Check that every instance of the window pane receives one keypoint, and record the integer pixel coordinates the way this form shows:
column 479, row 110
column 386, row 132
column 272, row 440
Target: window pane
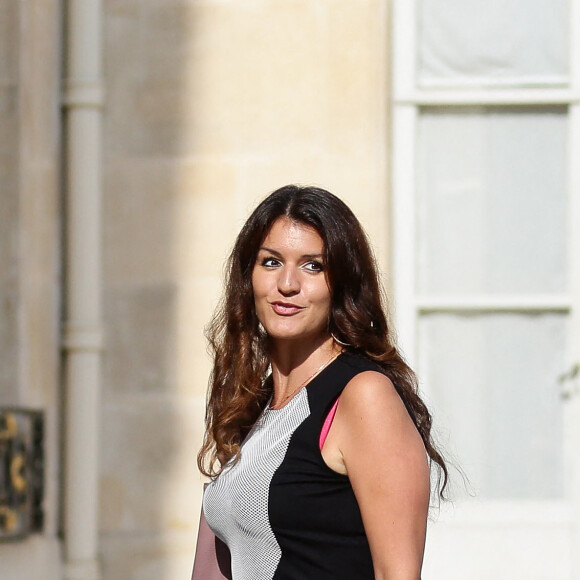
column 492, row 380
column 492, row 201
column 507, row 42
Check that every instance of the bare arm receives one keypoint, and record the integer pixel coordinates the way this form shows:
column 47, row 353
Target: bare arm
column 382, row 453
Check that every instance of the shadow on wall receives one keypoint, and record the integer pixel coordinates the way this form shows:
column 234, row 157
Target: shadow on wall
column 153, row 388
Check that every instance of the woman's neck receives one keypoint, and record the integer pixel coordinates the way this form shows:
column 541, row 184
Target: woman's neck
column 294, row 362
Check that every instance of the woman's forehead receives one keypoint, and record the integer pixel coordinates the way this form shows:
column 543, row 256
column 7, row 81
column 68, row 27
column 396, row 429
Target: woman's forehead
column 293, row 235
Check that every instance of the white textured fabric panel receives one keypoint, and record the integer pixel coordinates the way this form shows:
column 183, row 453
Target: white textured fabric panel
column 492, row 201
column 493, row 42
column 236, row 503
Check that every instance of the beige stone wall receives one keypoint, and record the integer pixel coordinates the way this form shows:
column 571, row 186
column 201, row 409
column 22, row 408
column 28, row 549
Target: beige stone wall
column 210, row 105
column 30, row 247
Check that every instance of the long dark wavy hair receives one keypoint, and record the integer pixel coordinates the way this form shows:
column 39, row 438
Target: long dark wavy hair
column 238, row 389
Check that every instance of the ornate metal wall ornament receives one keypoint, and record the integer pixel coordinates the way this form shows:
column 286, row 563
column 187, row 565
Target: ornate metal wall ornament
column 21, row 472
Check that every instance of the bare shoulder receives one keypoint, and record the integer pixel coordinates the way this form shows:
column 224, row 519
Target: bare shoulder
column 369, row 382
column 373, row 418
column 371, row 394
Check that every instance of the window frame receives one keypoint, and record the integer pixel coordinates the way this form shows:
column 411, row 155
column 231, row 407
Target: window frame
column 408, row 97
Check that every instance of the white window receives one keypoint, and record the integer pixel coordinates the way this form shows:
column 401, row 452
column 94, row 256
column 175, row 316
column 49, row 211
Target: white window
column 486, row 215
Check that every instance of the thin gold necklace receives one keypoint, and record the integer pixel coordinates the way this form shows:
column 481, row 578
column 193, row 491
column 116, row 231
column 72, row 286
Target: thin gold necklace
column 302, row 384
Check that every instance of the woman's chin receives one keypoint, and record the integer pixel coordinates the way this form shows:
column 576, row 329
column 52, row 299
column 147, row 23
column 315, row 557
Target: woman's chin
column 293, row 335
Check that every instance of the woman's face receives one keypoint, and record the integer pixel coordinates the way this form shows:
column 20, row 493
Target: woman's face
column 291, row 294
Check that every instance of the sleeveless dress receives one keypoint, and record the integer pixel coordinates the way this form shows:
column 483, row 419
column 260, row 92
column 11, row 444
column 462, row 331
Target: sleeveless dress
column 283, row 513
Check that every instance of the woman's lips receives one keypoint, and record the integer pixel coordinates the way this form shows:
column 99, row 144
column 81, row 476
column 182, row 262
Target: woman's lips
column 285, row 308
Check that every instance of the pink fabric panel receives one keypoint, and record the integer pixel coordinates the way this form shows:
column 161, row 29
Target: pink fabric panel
column 327, row 424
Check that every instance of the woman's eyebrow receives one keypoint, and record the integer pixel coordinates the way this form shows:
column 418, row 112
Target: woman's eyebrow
column 270, row 250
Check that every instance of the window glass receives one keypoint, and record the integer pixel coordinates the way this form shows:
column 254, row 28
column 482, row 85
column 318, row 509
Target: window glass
column 493, row 42
column 492, row 200
column 492, row 380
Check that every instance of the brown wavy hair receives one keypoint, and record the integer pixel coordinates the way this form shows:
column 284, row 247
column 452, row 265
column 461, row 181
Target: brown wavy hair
column 238, row 386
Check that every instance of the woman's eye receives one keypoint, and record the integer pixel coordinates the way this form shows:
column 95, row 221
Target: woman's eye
column 314, row 266
column 270, row 262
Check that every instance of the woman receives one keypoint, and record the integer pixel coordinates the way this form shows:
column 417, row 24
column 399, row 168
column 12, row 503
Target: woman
column 320, row 468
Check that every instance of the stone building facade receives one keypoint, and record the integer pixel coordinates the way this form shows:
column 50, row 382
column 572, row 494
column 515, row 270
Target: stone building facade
column 208, row 106
column 187, row 114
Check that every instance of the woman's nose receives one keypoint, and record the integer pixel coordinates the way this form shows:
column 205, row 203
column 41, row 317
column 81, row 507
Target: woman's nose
column 288, row 281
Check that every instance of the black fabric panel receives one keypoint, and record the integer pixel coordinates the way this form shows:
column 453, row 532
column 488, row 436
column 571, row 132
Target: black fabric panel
column 312, row 509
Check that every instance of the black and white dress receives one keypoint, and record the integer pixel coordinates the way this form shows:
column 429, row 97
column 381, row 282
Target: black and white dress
column 284, row 514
